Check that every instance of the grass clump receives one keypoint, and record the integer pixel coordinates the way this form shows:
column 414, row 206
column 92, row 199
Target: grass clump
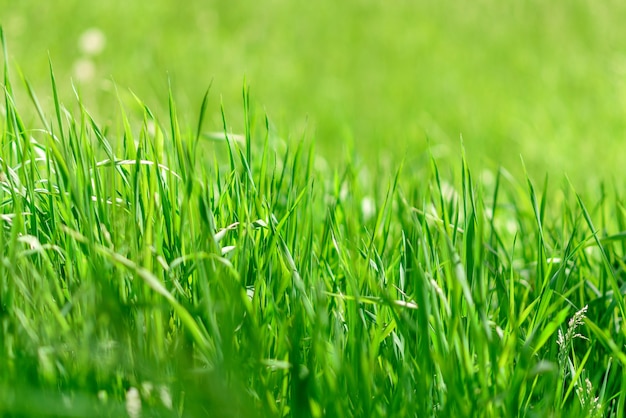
column 150, row 272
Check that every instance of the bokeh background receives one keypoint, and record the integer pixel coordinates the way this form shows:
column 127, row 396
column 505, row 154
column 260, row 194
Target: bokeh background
column 541, row 80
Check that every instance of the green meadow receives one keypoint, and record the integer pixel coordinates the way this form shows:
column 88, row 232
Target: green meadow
column 296, row 209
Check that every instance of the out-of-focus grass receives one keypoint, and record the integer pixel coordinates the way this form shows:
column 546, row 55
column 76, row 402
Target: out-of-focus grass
column 540, row 79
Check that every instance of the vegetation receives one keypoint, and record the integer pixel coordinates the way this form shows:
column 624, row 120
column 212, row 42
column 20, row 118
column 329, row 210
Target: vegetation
column 540, row 79
column 160, row 260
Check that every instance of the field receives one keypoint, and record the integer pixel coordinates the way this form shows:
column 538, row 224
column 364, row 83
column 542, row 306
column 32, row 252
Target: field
column 286, row 209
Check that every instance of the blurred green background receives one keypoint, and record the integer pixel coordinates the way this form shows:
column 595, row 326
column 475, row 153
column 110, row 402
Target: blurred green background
column 545, row 80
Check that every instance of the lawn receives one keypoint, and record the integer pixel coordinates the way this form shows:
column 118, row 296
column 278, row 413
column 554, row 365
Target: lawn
column 286, row 209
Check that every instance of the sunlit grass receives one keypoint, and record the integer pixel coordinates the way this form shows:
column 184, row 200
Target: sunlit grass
column 153, row 268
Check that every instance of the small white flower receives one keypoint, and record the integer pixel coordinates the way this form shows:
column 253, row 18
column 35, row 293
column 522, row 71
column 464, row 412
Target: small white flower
column 92, row 42
column 133, row 403
column 368, row 208
column 344, row 192
column 84, row 69
column 166, row 397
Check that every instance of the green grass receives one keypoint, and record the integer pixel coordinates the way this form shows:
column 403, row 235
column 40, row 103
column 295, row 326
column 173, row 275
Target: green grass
column 148, row 260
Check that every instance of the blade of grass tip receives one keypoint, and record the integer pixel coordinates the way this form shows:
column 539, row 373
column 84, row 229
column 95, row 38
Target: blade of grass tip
column 512, row 281
column 605, row 381
column 52, row 145
column 55, row 95
column 533, row 200
column 494, row 238
column 541, row 256
column 106, row 146
column 264, row 160
column 247, row 121
column 19, row 130
column 435, row 168
column 250, row 180
column 181, row 153
column 130, row 150
column 619, row 211
column 8, row 90
column 25, row 154
column 389, row 208
column 5, row 55
column 278, row 182
column 310, row 164
column 383, row 220
column 542, row 206
column 469, row 214
column 230, row 146
column 293, row 207
column 466, row 183
column 203, row 107
column 297, row 158
column 33, row 98
column 601, row 204
column 607, row 264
